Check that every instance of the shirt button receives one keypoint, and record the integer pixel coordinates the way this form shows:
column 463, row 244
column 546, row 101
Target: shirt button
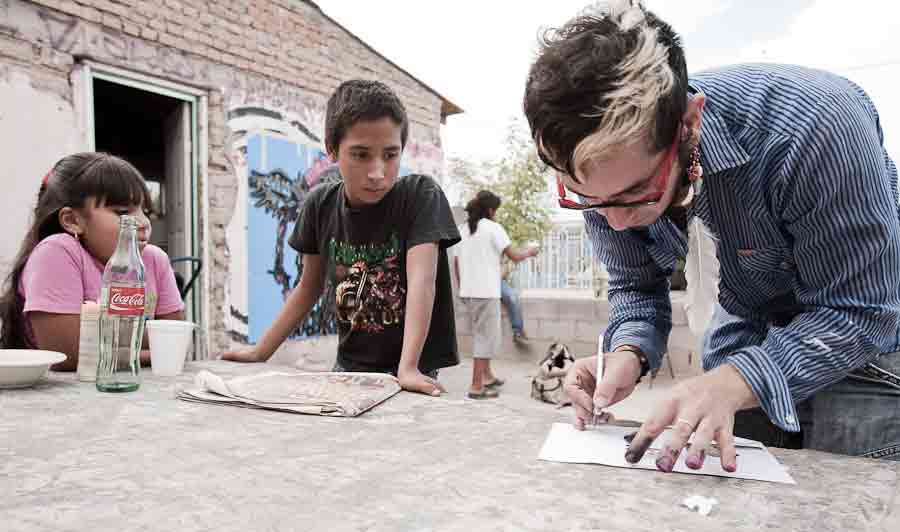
column 790, row 419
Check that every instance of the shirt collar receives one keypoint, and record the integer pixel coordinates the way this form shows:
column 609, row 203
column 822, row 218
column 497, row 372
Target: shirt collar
column 719, row 150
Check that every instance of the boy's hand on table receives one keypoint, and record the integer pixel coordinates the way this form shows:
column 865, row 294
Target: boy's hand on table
column 248, row 354
column 416, row 381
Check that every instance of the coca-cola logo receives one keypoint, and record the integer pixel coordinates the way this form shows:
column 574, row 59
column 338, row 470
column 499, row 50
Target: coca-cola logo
column 126, row 300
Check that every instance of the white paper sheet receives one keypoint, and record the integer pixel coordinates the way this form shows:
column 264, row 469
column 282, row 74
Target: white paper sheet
column 607, row 445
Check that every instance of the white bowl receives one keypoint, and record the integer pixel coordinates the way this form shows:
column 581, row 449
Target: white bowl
column 20, row 368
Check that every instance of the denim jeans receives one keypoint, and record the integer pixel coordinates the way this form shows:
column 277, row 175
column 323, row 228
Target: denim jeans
column 858, row 416
column 510, row 300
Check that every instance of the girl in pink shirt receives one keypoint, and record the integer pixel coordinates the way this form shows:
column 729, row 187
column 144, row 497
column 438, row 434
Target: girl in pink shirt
column 61, row 261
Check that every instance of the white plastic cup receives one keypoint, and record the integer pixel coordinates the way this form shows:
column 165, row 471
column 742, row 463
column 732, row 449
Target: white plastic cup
column 169, row 344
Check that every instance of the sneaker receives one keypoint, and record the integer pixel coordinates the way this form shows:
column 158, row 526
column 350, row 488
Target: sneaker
column 485, row 393
column 496, row 383
column 520, row 338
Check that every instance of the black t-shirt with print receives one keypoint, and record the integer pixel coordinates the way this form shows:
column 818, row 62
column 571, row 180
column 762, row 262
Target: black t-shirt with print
column 364, row 251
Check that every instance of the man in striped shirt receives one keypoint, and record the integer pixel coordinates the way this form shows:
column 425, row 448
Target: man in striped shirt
column 786, row 167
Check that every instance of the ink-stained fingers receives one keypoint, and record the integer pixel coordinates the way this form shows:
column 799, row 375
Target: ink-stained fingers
column 645, row 436
column 725, row 438
column 682, row 429
column 662, row 415
column 703, row 436
column 581, row 401
column 579, row 385
column 579, row 423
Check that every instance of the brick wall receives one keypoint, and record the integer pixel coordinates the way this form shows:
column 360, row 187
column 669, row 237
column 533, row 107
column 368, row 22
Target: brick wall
column 283, row 55
column 285, row 40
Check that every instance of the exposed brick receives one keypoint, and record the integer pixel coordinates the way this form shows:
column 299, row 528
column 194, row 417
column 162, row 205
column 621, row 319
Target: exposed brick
column 111, row 21
column 131, row 29
column 91, row 14
column 64, row 6
column 149, row 34
column 278, row 52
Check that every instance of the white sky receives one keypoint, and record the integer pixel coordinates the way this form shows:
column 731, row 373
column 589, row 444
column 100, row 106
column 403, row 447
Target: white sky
column 477, row 53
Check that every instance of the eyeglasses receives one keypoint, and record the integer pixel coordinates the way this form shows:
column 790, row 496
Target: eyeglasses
column 660, row 180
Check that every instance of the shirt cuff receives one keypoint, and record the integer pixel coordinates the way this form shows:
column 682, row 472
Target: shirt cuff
column 768, row 384
column 640, row 335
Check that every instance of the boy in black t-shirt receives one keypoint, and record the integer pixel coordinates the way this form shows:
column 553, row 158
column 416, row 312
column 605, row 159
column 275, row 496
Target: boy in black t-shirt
column 378, row 245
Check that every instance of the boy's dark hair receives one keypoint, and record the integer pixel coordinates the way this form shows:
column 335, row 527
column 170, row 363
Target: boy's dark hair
column 74, row 179
column 357, row 100
column 581, row 70
column 479, row 207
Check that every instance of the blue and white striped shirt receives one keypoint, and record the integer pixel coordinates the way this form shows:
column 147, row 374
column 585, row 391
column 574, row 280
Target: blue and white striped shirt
column 802, row 198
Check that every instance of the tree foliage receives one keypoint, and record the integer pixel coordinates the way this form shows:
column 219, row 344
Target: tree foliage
column 519, row 178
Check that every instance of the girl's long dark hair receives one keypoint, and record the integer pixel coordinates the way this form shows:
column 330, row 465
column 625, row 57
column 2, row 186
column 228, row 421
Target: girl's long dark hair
column 74, row 179
column 480, row 207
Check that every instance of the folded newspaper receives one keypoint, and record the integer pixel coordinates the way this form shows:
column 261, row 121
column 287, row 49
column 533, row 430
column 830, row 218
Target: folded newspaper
column 323, row 394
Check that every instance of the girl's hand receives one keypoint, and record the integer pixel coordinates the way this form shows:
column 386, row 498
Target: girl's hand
column 704, row 407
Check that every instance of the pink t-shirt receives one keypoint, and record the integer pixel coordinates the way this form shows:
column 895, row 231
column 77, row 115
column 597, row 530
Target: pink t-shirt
column 60, row 274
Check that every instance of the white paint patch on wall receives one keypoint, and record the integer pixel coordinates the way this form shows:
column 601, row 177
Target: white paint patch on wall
column 37, row 128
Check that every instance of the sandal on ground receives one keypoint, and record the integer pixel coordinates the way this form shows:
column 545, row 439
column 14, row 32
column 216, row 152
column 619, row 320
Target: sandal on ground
column 496, row 383
column 485, row 393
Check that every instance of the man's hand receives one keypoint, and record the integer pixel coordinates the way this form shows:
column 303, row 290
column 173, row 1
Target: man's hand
column 620, row 375
column 704, row 407
column 248, row 354
column 414, row 381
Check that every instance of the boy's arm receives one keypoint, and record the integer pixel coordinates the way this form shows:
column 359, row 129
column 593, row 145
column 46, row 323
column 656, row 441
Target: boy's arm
column 302, row 298
column 421, row 274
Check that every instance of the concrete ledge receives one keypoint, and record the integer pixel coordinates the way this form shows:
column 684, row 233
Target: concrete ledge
column 576, row 318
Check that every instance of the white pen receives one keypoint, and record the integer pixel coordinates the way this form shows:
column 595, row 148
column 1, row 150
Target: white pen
column 598, row 411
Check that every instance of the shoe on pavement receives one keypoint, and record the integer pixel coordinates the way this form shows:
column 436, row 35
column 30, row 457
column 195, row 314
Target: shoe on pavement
column 485, row 393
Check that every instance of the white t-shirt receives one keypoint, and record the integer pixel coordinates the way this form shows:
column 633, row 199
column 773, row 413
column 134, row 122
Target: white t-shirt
column 479, row 259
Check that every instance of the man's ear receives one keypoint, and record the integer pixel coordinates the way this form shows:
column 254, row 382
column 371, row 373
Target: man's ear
column 693, row 115
column 71, row 221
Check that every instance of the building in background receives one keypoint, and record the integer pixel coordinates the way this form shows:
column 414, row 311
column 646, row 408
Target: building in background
column 219, row 104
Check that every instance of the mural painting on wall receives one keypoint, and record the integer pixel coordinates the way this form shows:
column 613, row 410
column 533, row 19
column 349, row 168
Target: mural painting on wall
column 278, row 162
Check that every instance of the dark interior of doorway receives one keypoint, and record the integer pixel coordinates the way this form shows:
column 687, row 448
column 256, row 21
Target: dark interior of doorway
column 131, row 123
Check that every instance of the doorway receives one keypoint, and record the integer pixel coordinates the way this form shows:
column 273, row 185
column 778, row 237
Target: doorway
column 154, row 128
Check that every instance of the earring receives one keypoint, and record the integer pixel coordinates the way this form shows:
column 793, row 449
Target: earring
column 695, row 169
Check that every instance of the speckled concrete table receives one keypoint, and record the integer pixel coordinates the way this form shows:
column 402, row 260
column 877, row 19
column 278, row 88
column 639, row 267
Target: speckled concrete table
column 74, row 459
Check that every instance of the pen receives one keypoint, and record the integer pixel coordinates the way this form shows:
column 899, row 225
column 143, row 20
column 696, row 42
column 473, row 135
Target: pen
column 598, row 411
column 597, row 419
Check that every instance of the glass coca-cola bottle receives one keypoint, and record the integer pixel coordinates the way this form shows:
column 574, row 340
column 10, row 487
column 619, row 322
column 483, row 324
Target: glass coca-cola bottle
column 122, row 314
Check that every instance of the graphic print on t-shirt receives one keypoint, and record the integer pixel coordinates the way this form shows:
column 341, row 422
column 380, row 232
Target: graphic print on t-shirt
column 369, row 294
